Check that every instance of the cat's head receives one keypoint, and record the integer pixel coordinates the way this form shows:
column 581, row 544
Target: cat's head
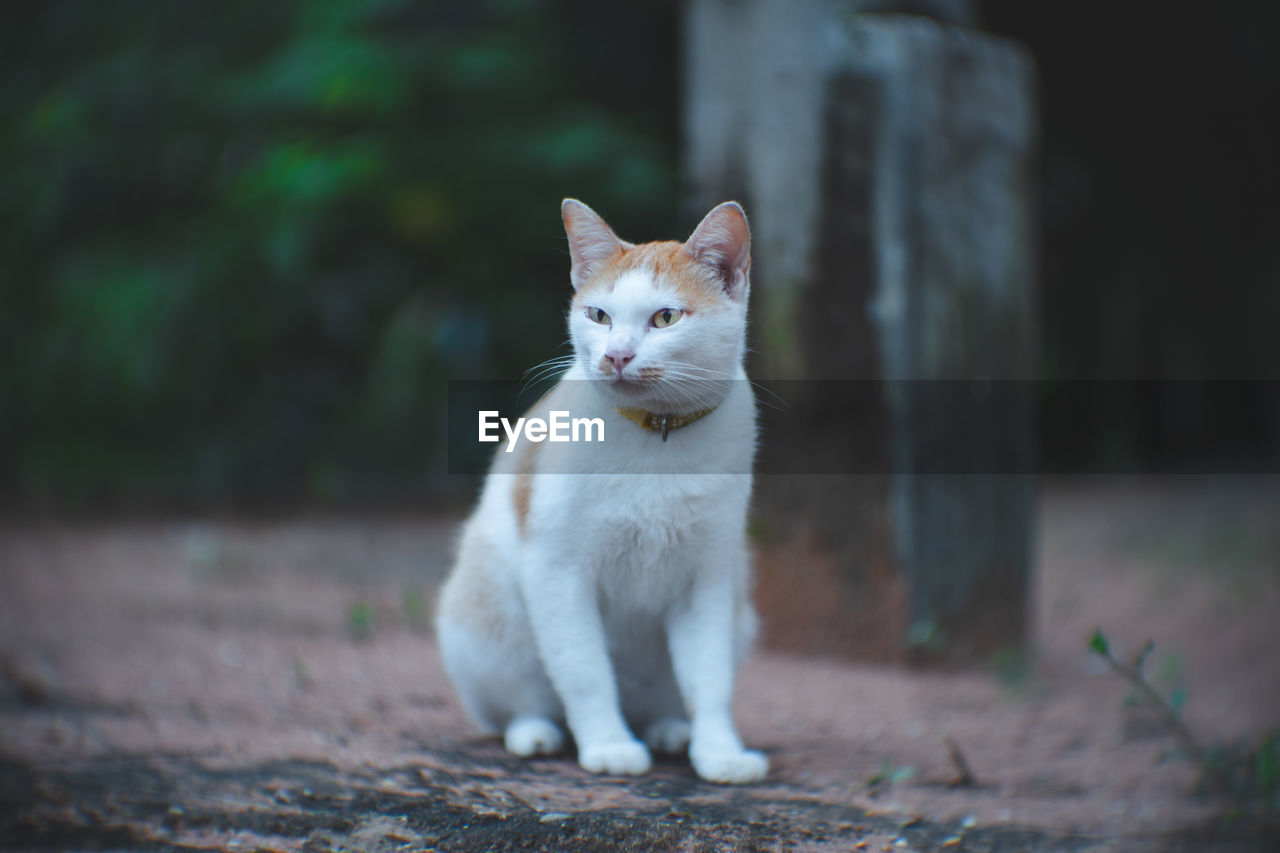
column 662, row 325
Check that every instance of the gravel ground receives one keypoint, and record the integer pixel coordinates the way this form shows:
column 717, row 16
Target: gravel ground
column 189, row 684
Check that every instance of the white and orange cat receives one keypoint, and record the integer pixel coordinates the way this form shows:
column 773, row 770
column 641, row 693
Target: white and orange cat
column 609, row 589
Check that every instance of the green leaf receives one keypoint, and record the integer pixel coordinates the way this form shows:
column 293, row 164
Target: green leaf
column 1098, row 643
column 415, row 609
column 923, row 633
column 1170, row 671
column 360, row 619
column 1140, row 660
column 903, row 773
column 1268, row 763
column 1177, row 699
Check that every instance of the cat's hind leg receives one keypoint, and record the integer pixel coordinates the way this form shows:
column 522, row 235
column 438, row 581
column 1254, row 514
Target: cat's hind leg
column 669, row 735
column 528, row 736
column 504, row 690
column 490, row 656
column 652, row 700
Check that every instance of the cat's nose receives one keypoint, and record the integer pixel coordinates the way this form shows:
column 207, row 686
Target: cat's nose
column 620, row 358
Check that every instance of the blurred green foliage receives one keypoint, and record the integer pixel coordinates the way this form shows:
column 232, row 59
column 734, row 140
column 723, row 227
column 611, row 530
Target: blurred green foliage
column 246, row 244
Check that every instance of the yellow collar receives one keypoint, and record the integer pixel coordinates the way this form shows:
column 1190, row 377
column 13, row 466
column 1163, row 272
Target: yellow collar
column 655, row 422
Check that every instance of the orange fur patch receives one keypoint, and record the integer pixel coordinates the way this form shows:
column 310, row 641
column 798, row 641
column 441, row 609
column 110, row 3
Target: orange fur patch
column 522, row 488
column 669, row 265
column 472, row 593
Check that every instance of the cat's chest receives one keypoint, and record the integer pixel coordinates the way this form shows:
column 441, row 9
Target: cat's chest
column 645, row 524
column 653, row 506
column 646, row 559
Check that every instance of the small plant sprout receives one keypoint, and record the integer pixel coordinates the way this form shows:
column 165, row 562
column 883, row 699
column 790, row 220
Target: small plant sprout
column 360, row 620
column 1100, row 646
column 415, row 609
column 889, row 774
column 1254, row 772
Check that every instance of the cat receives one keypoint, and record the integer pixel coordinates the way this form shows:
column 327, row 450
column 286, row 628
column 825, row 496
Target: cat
column 610, row 588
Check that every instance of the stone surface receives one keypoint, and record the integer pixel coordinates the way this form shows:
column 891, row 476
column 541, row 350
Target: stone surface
column 888, row 166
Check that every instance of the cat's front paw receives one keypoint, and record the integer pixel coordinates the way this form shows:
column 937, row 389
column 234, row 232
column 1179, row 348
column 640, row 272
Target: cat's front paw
column 622, row 758
column 736, row 767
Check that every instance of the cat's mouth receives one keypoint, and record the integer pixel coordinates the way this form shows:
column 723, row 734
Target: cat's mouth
column 633, row 379
column 627, row 383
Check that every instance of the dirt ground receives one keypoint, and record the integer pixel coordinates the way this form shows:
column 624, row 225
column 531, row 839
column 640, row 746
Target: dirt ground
column 191, row 684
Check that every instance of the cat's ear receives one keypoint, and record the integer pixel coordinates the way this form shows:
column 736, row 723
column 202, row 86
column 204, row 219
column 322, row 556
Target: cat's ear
column 591, row 241
column 722, row 241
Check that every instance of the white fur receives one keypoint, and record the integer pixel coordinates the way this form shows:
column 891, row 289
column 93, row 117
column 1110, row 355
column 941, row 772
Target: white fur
column 624, row 604
column 701, row 353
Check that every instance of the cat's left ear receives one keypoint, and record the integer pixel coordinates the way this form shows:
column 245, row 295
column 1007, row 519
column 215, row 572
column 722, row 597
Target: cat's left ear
column 722, row 241
column 591, row 241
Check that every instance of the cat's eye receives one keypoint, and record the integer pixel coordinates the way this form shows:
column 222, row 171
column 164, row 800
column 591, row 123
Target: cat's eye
column 665, row 317
column 595, row 315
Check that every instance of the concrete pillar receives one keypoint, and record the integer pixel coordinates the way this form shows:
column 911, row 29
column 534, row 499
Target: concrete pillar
column 887, row 162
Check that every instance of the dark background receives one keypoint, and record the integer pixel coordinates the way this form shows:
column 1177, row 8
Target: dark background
column 245, row 245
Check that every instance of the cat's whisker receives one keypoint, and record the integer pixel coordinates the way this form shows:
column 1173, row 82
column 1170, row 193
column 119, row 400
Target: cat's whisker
column 779, row 403
column 554, row 361
column 535, row 383
column 548, row 370
column 782, row 404
column 694, row 392
column 785, row 407
column 544, row 373
column 693, row 370
column 695, row 377
column 551, row 367
column 700, row 396
column 700, row 369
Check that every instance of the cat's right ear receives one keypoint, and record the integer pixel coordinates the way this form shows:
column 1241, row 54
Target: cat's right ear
column 591, row 241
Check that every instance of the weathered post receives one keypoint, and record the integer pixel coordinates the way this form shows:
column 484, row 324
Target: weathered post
column 887, row 162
